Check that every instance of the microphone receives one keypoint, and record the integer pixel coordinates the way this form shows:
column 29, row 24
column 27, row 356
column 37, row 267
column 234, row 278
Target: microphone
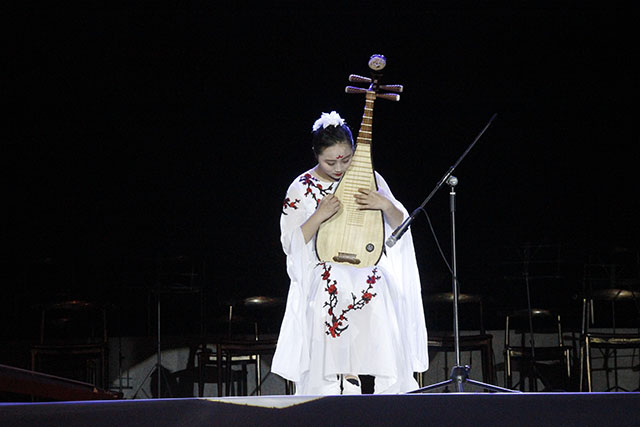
column 402, row 228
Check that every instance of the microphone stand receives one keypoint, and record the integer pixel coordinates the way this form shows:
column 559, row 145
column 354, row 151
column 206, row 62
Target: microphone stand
column 398, row 232
column 459, row 374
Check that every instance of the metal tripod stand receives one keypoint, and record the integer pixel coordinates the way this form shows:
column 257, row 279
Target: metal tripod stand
column 171, row 282
column 158, row 368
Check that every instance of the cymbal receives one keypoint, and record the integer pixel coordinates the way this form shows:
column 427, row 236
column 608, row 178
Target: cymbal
column 534, row 277
column 263, row 301
column 534, row 312
column 627, row 283
column 614, row 294
column 71, row 304
column 448, row 297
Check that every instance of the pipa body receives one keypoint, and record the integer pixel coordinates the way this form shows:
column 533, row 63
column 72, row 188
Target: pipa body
column 353, row 236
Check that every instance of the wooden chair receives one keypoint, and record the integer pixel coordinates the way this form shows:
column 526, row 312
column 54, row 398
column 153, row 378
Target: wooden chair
column 444, row 340
column 212, row 369
column 71, row 330
column 607, row 340
column 532, row 357
column 240, row 350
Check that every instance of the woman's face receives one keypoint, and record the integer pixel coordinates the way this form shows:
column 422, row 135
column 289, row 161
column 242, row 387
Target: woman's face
column 334, row 161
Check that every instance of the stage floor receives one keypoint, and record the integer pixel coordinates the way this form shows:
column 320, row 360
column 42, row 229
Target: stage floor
column 494, row 409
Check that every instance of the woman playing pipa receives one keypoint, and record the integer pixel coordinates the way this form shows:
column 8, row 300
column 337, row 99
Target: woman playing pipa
column 348, row 315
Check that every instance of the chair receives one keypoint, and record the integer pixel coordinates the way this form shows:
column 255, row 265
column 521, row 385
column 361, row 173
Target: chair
column 242, row 353
column 445, row 341
column 212, row 369
column 608, row 340
column 541, row 357
column 72, row 331
column 241, row 350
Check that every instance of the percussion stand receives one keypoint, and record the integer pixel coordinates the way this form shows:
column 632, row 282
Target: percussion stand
column 157, row 368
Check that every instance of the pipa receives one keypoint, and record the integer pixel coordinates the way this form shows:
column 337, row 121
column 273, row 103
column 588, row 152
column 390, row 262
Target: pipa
column 353, row 236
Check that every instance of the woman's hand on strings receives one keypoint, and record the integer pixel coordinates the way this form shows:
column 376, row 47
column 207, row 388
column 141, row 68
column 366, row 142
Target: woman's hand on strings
column 327, row 207
column 370, row 199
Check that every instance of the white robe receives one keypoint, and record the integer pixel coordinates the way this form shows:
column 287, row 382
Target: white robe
column 341, row 319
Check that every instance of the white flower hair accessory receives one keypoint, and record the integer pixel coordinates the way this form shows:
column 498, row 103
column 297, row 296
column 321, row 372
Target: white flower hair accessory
column 328, row 119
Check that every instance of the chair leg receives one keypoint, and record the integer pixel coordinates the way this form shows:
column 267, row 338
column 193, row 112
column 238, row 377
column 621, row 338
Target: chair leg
column 201, row 373
column 615, row 369
column 567, row 369
column 289, row 387
column 33, row 360
column 587, row 359
column 507, row 370
column 483, row 361
column 487, row 364
column 533, row 380
column 104, row 380
column 219, row 362
column 581, row 373
column 491, row 363
column 258, row 376
column 228, row 376
column 416, row 375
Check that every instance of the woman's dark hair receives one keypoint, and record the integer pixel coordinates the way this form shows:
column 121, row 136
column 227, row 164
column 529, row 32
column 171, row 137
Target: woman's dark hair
column 331, row 135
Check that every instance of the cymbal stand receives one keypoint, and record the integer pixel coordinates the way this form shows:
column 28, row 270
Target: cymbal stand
column 157, row 368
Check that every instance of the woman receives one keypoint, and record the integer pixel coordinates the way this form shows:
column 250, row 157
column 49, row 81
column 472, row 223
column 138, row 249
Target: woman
column 342, row 321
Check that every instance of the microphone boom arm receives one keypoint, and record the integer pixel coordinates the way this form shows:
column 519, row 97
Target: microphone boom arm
column 402, row 228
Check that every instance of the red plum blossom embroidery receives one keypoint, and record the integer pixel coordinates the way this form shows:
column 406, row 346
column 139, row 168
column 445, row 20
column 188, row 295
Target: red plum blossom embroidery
column 339, row 323
column 315, row 190
column 288, row 204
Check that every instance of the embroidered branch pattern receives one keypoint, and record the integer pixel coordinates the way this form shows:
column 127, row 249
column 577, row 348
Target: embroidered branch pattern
column 288, row 204
column 339, row 323
column 312, row 183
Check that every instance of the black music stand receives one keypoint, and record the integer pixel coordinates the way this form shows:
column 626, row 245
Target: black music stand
column 527, row 254
column 170, row 286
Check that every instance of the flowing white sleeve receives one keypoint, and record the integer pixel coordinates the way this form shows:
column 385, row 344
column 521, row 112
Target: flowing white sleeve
column 402, row 261
column 292, row 353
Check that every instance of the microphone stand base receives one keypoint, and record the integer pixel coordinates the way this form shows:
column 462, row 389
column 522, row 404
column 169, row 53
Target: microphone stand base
column 459, row 376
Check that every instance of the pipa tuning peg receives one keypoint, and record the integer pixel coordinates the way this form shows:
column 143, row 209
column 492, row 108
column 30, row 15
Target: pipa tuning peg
column 392, row 88
column 354, row 78
column 353, row 89
column 389, row 96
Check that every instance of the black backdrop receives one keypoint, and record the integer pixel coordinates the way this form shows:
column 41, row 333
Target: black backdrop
column 140, row 133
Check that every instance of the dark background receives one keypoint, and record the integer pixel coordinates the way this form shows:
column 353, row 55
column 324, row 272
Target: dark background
column 144, row 133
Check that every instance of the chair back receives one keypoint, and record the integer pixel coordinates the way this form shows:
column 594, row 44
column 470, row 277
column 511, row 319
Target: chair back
column 610, row 309
column 73, row 322
column 439, row 308
column 539, row 321
column 255, row 316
